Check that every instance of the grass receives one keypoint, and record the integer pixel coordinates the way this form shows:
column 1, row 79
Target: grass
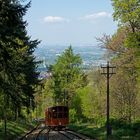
column 14, row 130
column 118, row 133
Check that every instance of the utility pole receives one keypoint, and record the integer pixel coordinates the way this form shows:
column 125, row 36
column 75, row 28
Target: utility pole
column 108, row 71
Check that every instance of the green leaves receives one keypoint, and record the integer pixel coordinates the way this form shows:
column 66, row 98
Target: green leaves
column 67, row 75
column 17, row 64
column 127, row 12
column 124, row 46
column 132, row 40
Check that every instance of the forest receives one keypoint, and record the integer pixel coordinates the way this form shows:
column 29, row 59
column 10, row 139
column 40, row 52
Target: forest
column 24, row 97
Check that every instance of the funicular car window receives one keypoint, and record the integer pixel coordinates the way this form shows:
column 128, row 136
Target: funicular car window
column 60, row 112
column 65, row 109
column 54, row 115
column 59, row 115
column 65, row 115
column 59, row 108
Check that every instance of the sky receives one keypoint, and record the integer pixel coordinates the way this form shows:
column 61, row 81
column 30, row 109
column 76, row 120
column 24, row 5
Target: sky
column 65, row 22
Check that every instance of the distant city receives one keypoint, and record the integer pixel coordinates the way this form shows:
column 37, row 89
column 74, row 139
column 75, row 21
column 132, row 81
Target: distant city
column 92, row 56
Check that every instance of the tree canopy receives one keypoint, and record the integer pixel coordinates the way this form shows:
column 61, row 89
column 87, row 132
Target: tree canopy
column 17, row 63
column 67, row 75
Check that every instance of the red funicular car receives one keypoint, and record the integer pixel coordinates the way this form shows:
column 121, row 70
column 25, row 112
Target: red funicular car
column 57, row 117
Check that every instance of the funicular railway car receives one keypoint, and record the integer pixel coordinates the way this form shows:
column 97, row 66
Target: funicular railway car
column 57, row 117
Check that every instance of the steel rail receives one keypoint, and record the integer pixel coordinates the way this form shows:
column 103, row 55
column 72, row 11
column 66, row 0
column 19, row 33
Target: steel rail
column 26, row 135
column 71, row 137
column 77, row 135
column 65, row 135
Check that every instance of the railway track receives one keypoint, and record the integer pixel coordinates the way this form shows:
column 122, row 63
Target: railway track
column 26, row 135
column 71, row 136
column 46, row 133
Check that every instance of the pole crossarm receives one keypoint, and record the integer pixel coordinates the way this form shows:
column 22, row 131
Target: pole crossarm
column 108, row 70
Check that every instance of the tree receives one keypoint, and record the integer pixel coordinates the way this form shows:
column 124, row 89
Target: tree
column 17, row 64
column 124, row 45
column 67, row 76
column 127, row 12
column 125, row 87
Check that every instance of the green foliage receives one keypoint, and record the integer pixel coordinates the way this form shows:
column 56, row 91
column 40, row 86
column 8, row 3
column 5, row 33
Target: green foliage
column 67, row 76
column 124, row 92
column 73, row 115
column 124, row 46
column 121, row 130
column 127, row 12
column 87, row 102
column 43, row 97
column 90, row 101
column 61, row 88
column 133, row 40
column 125, row 84
column 18, row 74
column 14, row 129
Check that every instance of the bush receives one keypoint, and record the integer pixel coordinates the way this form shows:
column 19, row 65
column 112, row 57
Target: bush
column 119, row 124
column 136, row 127
column 72, row 115
column 125, row 132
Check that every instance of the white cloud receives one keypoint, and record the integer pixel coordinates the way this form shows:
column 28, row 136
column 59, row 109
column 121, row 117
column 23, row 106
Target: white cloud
column 97, row 15
column 54, row 19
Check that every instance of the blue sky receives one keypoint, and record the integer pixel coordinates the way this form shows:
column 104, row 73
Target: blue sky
column 75, row 22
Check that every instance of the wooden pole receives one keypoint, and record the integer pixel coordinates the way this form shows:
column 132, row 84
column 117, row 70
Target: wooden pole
column 106, row 71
